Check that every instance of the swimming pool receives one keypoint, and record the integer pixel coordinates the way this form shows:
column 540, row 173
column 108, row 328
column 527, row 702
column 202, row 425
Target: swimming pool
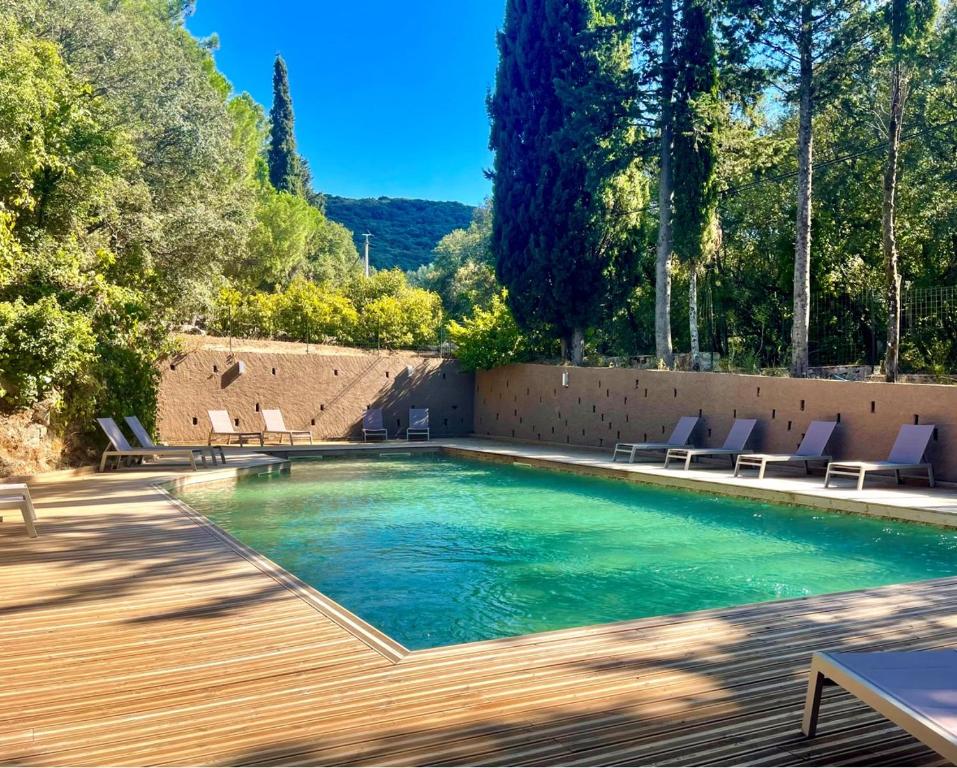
column 434, row 550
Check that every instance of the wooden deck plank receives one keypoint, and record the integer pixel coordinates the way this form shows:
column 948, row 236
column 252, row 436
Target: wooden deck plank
column 136, row 637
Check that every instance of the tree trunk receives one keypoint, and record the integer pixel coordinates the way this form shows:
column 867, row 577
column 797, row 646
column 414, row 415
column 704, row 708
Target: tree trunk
column 663, row 348
column 573, row 347
column 802, row 247
column 693, row 317
column 888, row 220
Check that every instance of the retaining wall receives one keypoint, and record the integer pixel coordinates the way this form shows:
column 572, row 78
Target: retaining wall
column 601, row 406
column 325, row 393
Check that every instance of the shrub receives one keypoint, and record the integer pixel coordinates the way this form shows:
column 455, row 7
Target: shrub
column 43, row 350
column 489, row 337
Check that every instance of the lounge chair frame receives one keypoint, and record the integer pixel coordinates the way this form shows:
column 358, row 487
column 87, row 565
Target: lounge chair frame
column 230, row 433
column 278, row 427
column 742, row 428
column 815, row 440
column 418, row 424
column 370, row 418
column 829, row 669
column 909, row 439
column 680, row 438
column 17, row 496
column 121, row 451
column 143, row 438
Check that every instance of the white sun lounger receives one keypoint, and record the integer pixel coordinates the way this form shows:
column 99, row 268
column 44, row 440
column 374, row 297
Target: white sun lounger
column 17, row 496
column 222, row 426
column 121, row 449
column 916, row 690
column 276, row 425
column 812, row 448
column 735, row 443
column 906, row 455
column 144, row 439
column 418, row 424
column 680, row 437
column 373, row 424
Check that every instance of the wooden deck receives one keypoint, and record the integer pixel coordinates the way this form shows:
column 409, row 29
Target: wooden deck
column 129, row 634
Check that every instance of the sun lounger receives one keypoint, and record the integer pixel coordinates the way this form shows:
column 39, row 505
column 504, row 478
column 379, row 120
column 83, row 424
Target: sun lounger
column 680, row 437
column 276, row 425
column 812, row 448
column 373, row 425
column 907, row 455
column 17, row 496
column 144, row 439
column 222, row 426
column 121, row 449
column 735, row 444
column 418, row 424
column 916, row 690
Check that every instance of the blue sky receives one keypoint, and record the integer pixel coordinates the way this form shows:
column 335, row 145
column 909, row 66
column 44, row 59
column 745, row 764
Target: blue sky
column 389, row 95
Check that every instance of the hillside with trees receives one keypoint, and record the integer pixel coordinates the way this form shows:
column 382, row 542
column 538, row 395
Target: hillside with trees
column 404, row 231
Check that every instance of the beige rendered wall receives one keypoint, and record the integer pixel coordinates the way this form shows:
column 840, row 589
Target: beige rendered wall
column 326, row 393
column 603, row 405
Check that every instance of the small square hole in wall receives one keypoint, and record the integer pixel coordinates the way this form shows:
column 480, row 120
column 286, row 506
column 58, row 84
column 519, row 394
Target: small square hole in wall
column 257, row 407
column 700, row 412
column 599, row 383
column 601, row 441
column 273, row 371
column 838, row 418
column 513, row 433
column 195, row 421
column 626, row 401
column 709, row 431
column 335, row 371
column 759, row 391
column 646, row 391
column 619, row 435
column 735, row 412
column 644, row 437
column 172, row 366
column 873, row 407
column 626, row 419
column 445, row 422
column 607, row 393
column 583, row 433
column 387, row 374
column 567, row 439
column 916, row 418
column 802, row 405
column 443, row 375
column 934, row 436
column 594, row 409
column 236, row 421
column 312, row 422
column 215, row 369
column 789, row 426
column 636, row 383
column 553, row 430
column 579, row 401
column 774, row 413
column 322, row 406
column 676, row 393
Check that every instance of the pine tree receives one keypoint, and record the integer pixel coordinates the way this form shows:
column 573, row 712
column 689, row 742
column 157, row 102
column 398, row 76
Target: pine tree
column 285, row 167
column 560, row 133
column 695, row 221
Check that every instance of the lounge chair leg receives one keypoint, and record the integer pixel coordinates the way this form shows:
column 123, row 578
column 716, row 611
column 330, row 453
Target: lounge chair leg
column 192, row 461
column 812, row 703
column 222, row 455
column 737, row 467
column 29, row 517
column 202, row 455
column 807, row 468
column 687, row 462
column 860, row 480
column 897, row 474
column 764, row 466
column 103, row 462
column 827, row 476
column 930, row 475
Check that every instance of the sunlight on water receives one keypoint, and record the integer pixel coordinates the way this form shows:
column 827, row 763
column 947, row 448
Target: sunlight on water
column 435, row 551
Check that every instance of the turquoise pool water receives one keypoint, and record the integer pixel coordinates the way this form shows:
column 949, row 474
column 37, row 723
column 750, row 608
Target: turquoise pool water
column 434, row 550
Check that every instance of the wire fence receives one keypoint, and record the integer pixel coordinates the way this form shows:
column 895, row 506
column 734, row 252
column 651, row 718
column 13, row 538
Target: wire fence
column 851, row 329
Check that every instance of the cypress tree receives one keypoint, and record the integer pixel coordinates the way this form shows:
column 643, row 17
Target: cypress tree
column 695, row 151
column 559, row 131
column 285, row 168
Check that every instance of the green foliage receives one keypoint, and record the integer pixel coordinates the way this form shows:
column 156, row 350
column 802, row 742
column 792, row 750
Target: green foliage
column 285, row 236
column 489, row 337
column 561, row 136
column 44, row 349
column 404, row 231
column 463, row 269
column 285, row 165
column 382, row 310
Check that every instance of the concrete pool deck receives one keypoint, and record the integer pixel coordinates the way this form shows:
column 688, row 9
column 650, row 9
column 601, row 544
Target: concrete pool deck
column 132, row 635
